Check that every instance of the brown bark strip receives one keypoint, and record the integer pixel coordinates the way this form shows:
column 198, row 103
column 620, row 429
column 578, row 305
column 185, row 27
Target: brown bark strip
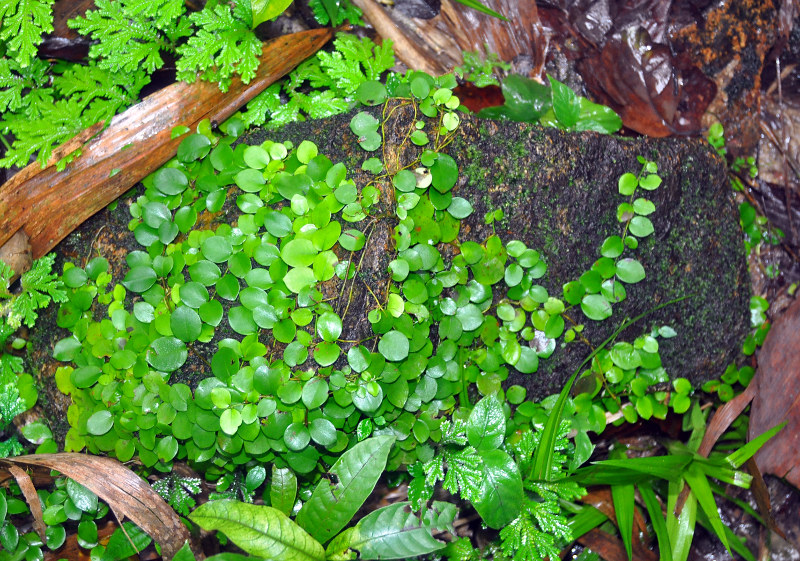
column 48, row 204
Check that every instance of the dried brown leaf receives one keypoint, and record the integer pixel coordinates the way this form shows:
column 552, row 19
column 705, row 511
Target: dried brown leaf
column 127, row 494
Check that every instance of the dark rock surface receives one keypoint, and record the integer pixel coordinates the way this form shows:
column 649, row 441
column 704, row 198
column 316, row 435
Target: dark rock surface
column 559, row 195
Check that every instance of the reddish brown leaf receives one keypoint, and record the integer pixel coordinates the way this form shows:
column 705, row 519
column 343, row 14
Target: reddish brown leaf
column 127, row 494
column 778, row 397
column 641, row 81
column 29, row 492
column 48, row 204
column 611, row 548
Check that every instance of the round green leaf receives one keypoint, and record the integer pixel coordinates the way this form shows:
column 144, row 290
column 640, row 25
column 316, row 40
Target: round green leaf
column 166, row 354
column 315, row 393
column 85, row 376
column 229, row 421
column 193, row 294
column 329, row 326
column 641, row 226
column 459, row 208
column 352, row 240
column 322, row 431
column 444, row 173
column 216, row 249
column 630, row 271
column 327, row 353
column 139, row 278
column 296, row 436
column 185, row 324
column 298, row 252
column 193, row 147
column 470, row 317
column 612, row 247
column 170, row 181
column 393, row 346
column 100, row 423
column 627, row 184
column 595, row 307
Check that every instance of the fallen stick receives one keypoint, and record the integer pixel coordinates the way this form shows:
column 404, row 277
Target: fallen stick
column 46, row 204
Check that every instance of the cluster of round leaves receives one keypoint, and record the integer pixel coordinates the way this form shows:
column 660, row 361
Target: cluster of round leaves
column 281, row 384
column 69, row 504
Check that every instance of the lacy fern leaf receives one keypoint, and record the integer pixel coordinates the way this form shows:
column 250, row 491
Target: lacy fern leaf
column 132, row 33
column 178, row 491
column 221, row 47
column 40, row 286
column 23, row 24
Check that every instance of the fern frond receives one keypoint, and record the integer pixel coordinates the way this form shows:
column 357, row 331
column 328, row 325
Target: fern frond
column 130, row 35
column 221, row 47
column 23, row 24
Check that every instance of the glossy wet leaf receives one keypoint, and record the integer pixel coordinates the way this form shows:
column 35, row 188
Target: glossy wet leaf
column 100, row 423
column 395, row 532
column 185, row 324
column 139, row 278
column 329, row 326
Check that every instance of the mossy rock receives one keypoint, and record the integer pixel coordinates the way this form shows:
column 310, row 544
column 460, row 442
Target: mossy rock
column 559, row 195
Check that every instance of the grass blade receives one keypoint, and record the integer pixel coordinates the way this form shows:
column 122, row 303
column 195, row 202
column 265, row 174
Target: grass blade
column 740, row 456
column 702, row 490
column 587, row 519
column 680, row 528
column 475, row 5
column 623, row 507
column 657, row 520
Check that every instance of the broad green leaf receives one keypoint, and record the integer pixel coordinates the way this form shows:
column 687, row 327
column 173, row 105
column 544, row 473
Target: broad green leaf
column 566, row 106
column 332, row 506
column 283, row 489
column 265, row 10
column 705, row 497
column 393, row 532
column 627, row 184
column 623, row 496
column 259, row 530
column 167, row 354
column 486, row 425
column 500, row 496
column 139, row 278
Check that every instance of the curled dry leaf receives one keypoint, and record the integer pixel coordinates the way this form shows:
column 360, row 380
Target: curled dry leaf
column 655, row 93
column 127, row 494
column 777, row 397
